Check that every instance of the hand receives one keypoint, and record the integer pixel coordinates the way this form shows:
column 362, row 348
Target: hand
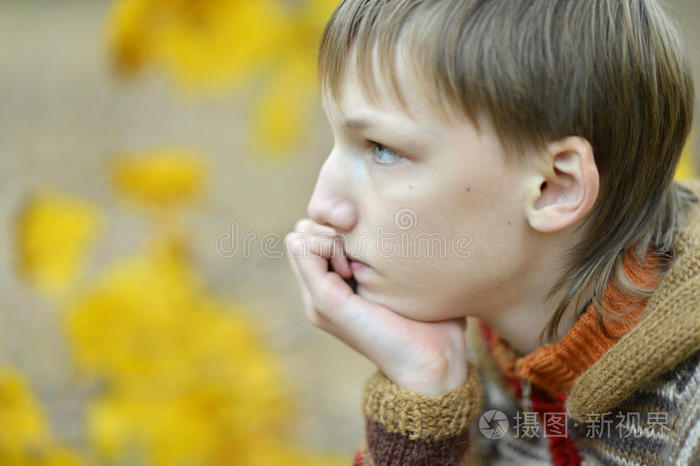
column 426, row 357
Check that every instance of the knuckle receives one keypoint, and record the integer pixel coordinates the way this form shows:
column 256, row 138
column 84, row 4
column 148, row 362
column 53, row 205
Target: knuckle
column 320, row 245
column 294, row 241
column 309, row 227
column 338, row 246
column 302, row 225
column 331, row 236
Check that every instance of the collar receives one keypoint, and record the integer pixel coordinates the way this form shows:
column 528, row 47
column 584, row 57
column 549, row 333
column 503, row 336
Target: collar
column 554, row 367
column 668, row 332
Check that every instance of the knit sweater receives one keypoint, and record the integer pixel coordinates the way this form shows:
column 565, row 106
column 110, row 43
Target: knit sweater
column 588, row 399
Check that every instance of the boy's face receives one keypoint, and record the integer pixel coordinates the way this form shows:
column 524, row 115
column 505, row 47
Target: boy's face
column 430, row 205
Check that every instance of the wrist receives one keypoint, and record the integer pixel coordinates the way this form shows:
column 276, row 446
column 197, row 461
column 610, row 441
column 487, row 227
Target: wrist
column 443, row 377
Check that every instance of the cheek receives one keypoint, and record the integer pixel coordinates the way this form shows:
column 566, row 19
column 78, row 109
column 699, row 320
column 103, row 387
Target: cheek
column 444, row 251
column 449, row 275
column 432, row 287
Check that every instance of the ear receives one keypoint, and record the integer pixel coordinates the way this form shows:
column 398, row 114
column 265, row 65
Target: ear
column 565, row 186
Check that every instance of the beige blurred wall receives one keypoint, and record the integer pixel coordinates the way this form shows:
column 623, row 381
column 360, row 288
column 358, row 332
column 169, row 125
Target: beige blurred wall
column 63, row 115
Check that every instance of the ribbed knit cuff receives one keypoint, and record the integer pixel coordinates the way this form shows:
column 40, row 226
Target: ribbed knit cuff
column 418, row 416
column 393, row 449
column 406, row 428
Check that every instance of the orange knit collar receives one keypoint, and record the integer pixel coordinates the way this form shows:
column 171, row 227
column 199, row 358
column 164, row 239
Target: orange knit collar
column 555, row 367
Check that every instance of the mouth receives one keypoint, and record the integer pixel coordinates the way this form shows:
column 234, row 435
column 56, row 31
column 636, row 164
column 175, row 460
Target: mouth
column 356, row 264
column 362, row 273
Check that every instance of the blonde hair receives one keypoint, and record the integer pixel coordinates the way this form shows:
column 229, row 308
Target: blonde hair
column 611, row 71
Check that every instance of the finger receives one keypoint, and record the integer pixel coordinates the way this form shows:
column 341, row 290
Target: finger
column 327, row 245
column 306, row 225
column 365, row 326
column 328, row 290
column 335, row 299
column 340, row 263
column 369, row 328
column 338, row 258
column 306, row 295
column 309, row 307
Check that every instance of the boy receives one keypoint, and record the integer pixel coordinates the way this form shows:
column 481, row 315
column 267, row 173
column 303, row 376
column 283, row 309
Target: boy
column 534, row 144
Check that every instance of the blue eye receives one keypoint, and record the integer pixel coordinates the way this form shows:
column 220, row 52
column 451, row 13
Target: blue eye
column 383, row 155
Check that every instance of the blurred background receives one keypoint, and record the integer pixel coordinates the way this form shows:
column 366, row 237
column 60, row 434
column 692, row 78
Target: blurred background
column 153, row 154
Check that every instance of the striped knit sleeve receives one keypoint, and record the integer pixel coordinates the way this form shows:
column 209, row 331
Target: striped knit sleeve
column 406, row 428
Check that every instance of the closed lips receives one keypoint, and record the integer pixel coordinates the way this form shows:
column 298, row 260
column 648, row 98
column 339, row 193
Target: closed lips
column 352, row 259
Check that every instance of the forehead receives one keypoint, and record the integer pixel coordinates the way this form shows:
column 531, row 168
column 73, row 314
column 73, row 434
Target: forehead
column 404, row 95
column 407, row 108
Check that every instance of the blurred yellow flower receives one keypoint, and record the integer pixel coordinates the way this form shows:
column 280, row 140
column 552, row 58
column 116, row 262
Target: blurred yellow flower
column 131, row 299
column 22, row 427
column 210, row 45
column 207, row 43
column 283, row 113
column 59, row 456
column 187, row 378
column 24, row 436
column 160, row 178
column 687, row 165
column 54, row 233
column 190, row 380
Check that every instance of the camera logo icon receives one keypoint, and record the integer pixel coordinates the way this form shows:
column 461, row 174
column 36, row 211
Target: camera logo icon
column 493, row 424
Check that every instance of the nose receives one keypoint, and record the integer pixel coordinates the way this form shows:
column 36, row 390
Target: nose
column 332, row 203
